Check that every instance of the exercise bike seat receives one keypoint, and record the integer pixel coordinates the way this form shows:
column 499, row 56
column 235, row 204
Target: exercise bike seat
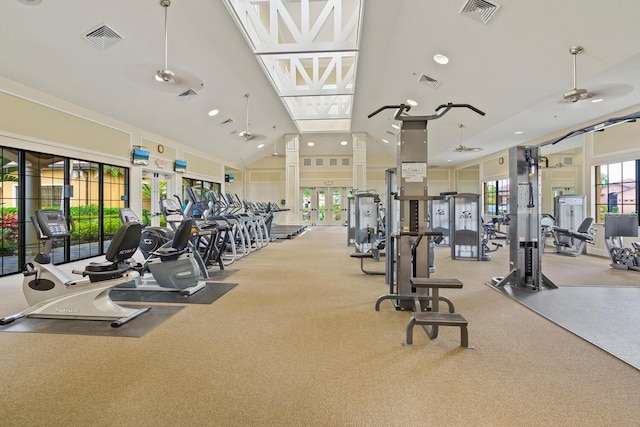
column 122, row 247
column 179, row 244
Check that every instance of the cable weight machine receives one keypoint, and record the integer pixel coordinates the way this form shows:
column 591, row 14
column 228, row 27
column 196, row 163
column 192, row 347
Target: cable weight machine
column 525, row 185
column 408, row 255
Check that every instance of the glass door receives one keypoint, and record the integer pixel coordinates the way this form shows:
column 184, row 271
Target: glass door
column 309, row 206
column 154, row 189
column 323, row 206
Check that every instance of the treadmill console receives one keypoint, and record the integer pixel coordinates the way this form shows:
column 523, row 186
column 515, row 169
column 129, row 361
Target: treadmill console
column 52, row 223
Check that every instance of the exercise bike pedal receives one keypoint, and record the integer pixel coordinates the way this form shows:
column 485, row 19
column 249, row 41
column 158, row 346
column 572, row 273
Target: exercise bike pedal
column 29, row 270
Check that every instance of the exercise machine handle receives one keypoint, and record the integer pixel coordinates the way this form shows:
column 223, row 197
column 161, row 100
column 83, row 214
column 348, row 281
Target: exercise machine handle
column 402, row 107
column 440, row 111
column 449, row 106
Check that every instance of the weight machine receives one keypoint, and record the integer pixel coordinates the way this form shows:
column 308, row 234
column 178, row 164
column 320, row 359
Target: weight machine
column 616, row 227
column 441, row 218
column 525, row 248
column 407, row 214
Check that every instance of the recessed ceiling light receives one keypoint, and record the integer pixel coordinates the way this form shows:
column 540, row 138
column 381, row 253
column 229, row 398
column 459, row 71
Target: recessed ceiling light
column 30, row 2
column 449, row 160
column 310, row 144
column 213, row 113
column 597, row 100
column 440, row 59
column 261, row 145
column 412, row 102
column 343, row 142
column 385, row 141
column 395, row 126
column 518, row 132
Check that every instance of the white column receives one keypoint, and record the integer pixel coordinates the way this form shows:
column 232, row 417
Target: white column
column 360, row 161
column 292, row 177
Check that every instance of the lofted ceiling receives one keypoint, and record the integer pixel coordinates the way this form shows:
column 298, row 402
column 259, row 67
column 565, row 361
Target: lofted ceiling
column 515, row 68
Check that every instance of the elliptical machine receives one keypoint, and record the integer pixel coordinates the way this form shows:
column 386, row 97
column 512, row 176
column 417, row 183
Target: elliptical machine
column 171, row 267
column 52, row 294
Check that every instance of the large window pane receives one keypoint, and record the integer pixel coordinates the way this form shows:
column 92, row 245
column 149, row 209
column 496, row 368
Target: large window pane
column 616, row 188
column 9, row 213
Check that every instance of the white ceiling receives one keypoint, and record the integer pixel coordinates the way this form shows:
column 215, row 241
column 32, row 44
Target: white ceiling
column 515, row 68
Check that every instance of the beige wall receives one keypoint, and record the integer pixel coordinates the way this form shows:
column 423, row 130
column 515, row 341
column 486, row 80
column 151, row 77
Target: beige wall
column 39, row 122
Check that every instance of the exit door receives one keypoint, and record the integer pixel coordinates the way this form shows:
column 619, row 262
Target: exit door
column 154, row 189
column 324, row 205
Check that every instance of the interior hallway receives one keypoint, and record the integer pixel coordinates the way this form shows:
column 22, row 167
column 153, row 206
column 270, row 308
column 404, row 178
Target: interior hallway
column 298, row 342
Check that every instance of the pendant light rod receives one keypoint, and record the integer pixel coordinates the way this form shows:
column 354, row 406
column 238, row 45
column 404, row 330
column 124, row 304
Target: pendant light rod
column 166, row 75
column 166, row 4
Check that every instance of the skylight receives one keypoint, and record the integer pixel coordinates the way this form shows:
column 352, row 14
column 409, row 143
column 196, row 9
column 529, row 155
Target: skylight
column 308, row 49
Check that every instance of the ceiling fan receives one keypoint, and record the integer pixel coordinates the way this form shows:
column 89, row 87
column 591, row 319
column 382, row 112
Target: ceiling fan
column 165, row 74
column 576, row 94
column 462, row 148
column 246, row 134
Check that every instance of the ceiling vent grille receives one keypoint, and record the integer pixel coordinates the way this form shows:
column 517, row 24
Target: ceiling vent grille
column 428, row 81
column 103, row 36
column 479, row 10
column 188, row 94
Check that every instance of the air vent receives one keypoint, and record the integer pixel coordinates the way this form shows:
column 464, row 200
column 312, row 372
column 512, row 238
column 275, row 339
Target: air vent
column 188, row 94
column 226, row 122
column 480, row 10
column 568, row 161
column 429, row 81
column 103, row 36
column 391, row 133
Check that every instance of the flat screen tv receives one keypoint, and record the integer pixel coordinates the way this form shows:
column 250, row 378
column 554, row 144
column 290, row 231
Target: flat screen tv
column 139, row 157
column 180, row 166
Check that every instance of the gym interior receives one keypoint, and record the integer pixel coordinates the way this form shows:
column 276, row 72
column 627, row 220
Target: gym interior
column 205, row 223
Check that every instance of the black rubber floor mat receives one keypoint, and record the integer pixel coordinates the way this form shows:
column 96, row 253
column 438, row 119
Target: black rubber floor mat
column 136, row 328
column 208, row 295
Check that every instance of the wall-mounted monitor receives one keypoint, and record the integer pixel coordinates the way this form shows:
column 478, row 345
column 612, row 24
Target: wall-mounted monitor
column 139, row 157
column 180, row 166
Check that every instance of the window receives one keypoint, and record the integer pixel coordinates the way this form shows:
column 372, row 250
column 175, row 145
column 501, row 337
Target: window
column 496, row 197
column 90, row 192
column 616, row 189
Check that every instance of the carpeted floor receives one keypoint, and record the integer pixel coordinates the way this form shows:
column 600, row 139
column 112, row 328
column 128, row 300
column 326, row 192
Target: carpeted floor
column 298, row 343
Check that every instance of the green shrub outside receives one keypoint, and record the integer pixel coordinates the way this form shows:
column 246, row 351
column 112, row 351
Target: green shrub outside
column 85, row 219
